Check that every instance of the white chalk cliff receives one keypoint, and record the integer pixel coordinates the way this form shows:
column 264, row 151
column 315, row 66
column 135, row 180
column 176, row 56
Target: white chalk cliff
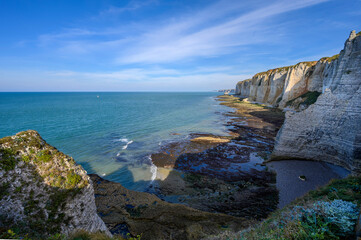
column 43, row 190
column 327, row 97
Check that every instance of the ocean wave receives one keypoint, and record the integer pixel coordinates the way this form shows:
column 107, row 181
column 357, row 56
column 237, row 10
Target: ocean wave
column 127, row 144
column 153, row 169
column 121, row 140
column 124, row 140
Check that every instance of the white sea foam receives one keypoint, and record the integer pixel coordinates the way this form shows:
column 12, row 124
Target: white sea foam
column 153, row 169
column 121, row 140
column 127, row 144
column 124, row 140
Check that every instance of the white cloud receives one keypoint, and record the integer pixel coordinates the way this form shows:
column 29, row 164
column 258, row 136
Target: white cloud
column 216, row 30
column 177, row 42
column 125, row 80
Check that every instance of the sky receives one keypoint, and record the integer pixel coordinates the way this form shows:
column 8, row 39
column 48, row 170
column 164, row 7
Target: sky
column 156, row 45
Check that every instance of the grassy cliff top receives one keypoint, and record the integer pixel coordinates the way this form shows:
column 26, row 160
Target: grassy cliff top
column 283, row 69
column 29, row 149
column 330, row 59
column 36, row 184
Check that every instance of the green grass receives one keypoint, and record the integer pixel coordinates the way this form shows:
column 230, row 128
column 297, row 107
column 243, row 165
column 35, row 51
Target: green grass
column 276, row 226
column 44, row 156
column 72, row 179
column 330, row 59
column 283, row 69
column 308, row 99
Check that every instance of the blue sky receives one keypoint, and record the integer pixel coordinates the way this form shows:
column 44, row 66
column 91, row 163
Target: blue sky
column 154, row 45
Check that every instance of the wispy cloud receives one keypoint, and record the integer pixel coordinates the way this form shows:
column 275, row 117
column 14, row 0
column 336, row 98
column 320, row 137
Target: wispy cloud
column 216, row 30
column 131, row 6
column 126, row 80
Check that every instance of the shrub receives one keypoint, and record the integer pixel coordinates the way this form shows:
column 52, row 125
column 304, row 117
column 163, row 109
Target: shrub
column 8, row 160
column 326, row 220
column 342, row 214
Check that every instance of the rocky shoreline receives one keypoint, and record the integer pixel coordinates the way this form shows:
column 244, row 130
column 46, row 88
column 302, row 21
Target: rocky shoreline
column 205, row 185
column 224, row 174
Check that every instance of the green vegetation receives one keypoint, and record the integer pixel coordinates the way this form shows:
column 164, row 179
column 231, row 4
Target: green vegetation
column 73, row 179
column 358, row 34
column 8, row 160
column 284, row 69
column 307, row 99
column 78, row 235
column 329, row 212
column 330, row 59
column 44, row 156
column 271, row 71
column 49, row 170
column 4, row 189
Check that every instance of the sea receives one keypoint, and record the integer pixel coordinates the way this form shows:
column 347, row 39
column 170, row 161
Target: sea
column 113, row 134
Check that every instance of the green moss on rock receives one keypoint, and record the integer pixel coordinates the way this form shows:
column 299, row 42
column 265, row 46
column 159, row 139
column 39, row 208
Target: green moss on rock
column 307, row 99
column 73, row 179
column 55, row 177
column 8, row 159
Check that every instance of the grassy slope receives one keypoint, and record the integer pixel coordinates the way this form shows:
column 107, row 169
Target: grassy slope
column 275, row 226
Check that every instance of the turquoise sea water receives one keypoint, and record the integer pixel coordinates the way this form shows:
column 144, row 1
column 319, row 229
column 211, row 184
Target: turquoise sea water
column 112, row 134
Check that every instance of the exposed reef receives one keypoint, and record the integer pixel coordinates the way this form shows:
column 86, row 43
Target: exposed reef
column 139, row 213
column 224, row 174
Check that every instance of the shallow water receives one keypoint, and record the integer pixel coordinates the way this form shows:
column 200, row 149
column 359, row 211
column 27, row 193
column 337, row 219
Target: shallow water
column 291, row 186
column 112, row 134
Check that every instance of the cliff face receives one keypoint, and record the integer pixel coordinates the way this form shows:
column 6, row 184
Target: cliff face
column 43, row 190
column 280, row 87
column 327, row 97
column 330, row 129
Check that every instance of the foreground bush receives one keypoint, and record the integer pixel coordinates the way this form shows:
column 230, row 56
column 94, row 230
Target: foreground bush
column 78, row 235
column 330, row 212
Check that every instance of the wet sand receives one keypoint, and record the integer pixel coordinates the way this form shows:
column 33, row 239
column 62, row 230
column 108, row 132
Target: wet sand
column 291, row 187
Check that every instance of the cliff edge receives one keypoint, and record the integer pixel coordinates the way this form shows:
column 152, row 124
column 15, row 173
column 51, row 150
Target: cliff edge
column 330, row 129
column 43, row 191
column 325, row 99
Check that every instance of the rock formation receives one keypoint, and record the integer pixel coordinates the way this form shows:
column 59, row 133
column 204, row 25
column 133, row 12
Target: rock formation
column 139, row 213
column 43, row 191
column 330, row 129
column 280, row 87
column 327, row 97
